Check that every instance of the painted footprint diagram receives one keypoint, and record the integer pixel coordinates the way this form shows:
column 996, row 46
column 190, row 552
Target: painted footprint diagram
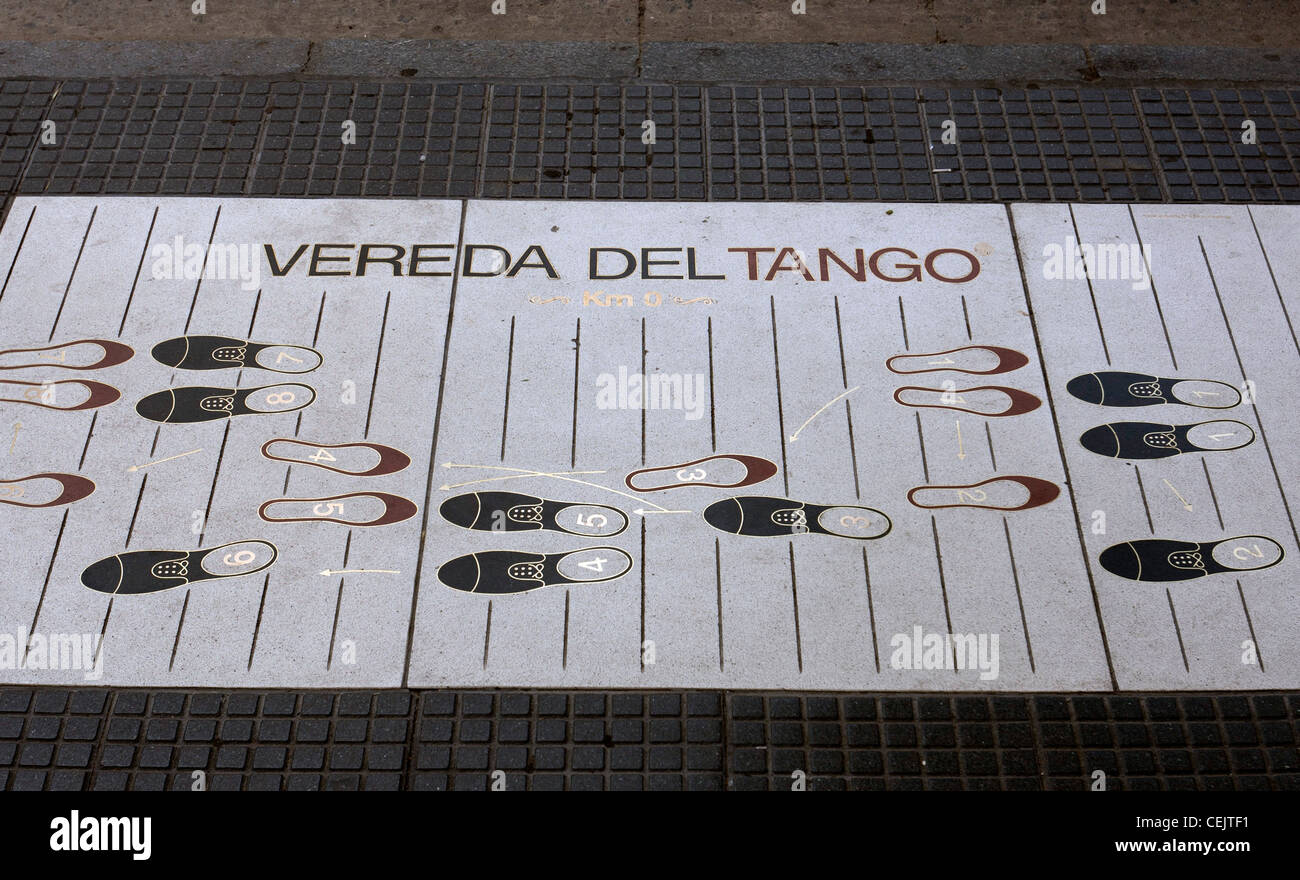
column 516, row 512
column 1116, row 388
column 45, row 490
column 1163, row 559
column 83, row 354
column 1007, row 494
column 769, row 517
column 499, row 572
column 225, row 352
column 350, row 459
column 154, row 571
column 1148, row 440
column 187, row 405
column 504, row 572
column 1168, row 559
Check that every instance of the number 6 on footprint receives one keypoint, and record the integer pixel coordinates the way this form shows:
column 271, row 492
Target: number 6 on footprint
column 154, row 571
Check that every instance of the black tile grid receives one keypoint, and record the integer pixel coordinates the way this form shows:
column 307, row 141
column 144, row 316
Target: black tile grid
column 457, row 740
column 1197, row 137
column 588, row 142
column 785, row 144
column 1038, row 145
column 1057, row 742
column 569, row 741
column 196, row 138
column 719, row 143
column 23, row 106
column 416, row 139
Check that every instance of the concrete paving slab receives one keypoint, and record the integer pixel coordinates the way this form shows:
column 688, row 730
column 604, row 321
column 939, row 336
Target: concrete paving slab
column 1212, row 307
column 86, row 270
column 883, row 387
column 775, row 359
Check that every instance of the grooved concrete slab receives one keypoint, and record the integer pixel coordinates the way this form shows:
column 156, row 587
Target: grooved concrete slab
column 821, row 368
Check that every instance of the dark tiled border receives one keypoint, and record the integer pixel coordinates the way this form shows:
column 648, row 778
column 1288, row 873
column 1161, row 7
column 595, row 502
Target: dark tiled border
column 546, row 740
column 720, row 143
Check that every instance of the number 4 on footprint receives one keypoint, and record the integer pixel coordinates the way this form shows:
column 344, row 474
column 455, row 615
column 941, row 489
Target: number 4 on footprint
column 504, row 572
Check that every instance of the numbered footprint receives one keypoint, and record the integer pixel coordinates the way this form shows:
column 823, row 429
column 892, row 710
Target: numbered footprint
column 154, row 571
column 45, row 490
column 1115, row 388
column 980, row 360
column 991, row 401
column 1143, row 440
column 71, row 395
column 763, row 516
column 84, row 354
column 715, row 471
column 997, row 493
column 359, row 509
column 1163, row 559
column 205, row 404
column 503, row 572
column 516, row 512
column 225, row 352
column 360, row 459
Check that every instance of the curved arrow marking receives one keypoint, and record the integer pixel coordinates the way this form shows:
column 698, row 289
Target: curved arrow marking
column 826, row 406
column 528, row 473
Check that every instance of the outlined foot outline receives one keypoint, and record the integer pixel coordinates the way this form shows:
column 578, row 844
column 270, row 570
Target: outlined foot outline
column 67, row 489
column 226, row 352
column 1143, row 440
column 708, row 472
column 332, row 456
column 1164, row 559
column 768, row 517
column 977, row 360
column 201, row 403
column 155, row 571
column 517, row 512
column 504, row 572
column 992, row 401
column 1009, row 493
column 356, row 509
column 78, row 355
column 55, row 395
column 1117, row 388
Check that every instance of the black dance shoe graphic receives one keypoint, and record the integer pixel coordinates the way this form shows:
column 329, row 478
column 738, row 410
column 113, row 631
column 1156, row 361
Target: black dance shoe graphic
column 501, row 572
column 1151, row 440
column 1162, row 559
column 224, row 352
column 514, row 512
column 199, row 403
column 1114, row 388
column 153, row 571
column 762, row 516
